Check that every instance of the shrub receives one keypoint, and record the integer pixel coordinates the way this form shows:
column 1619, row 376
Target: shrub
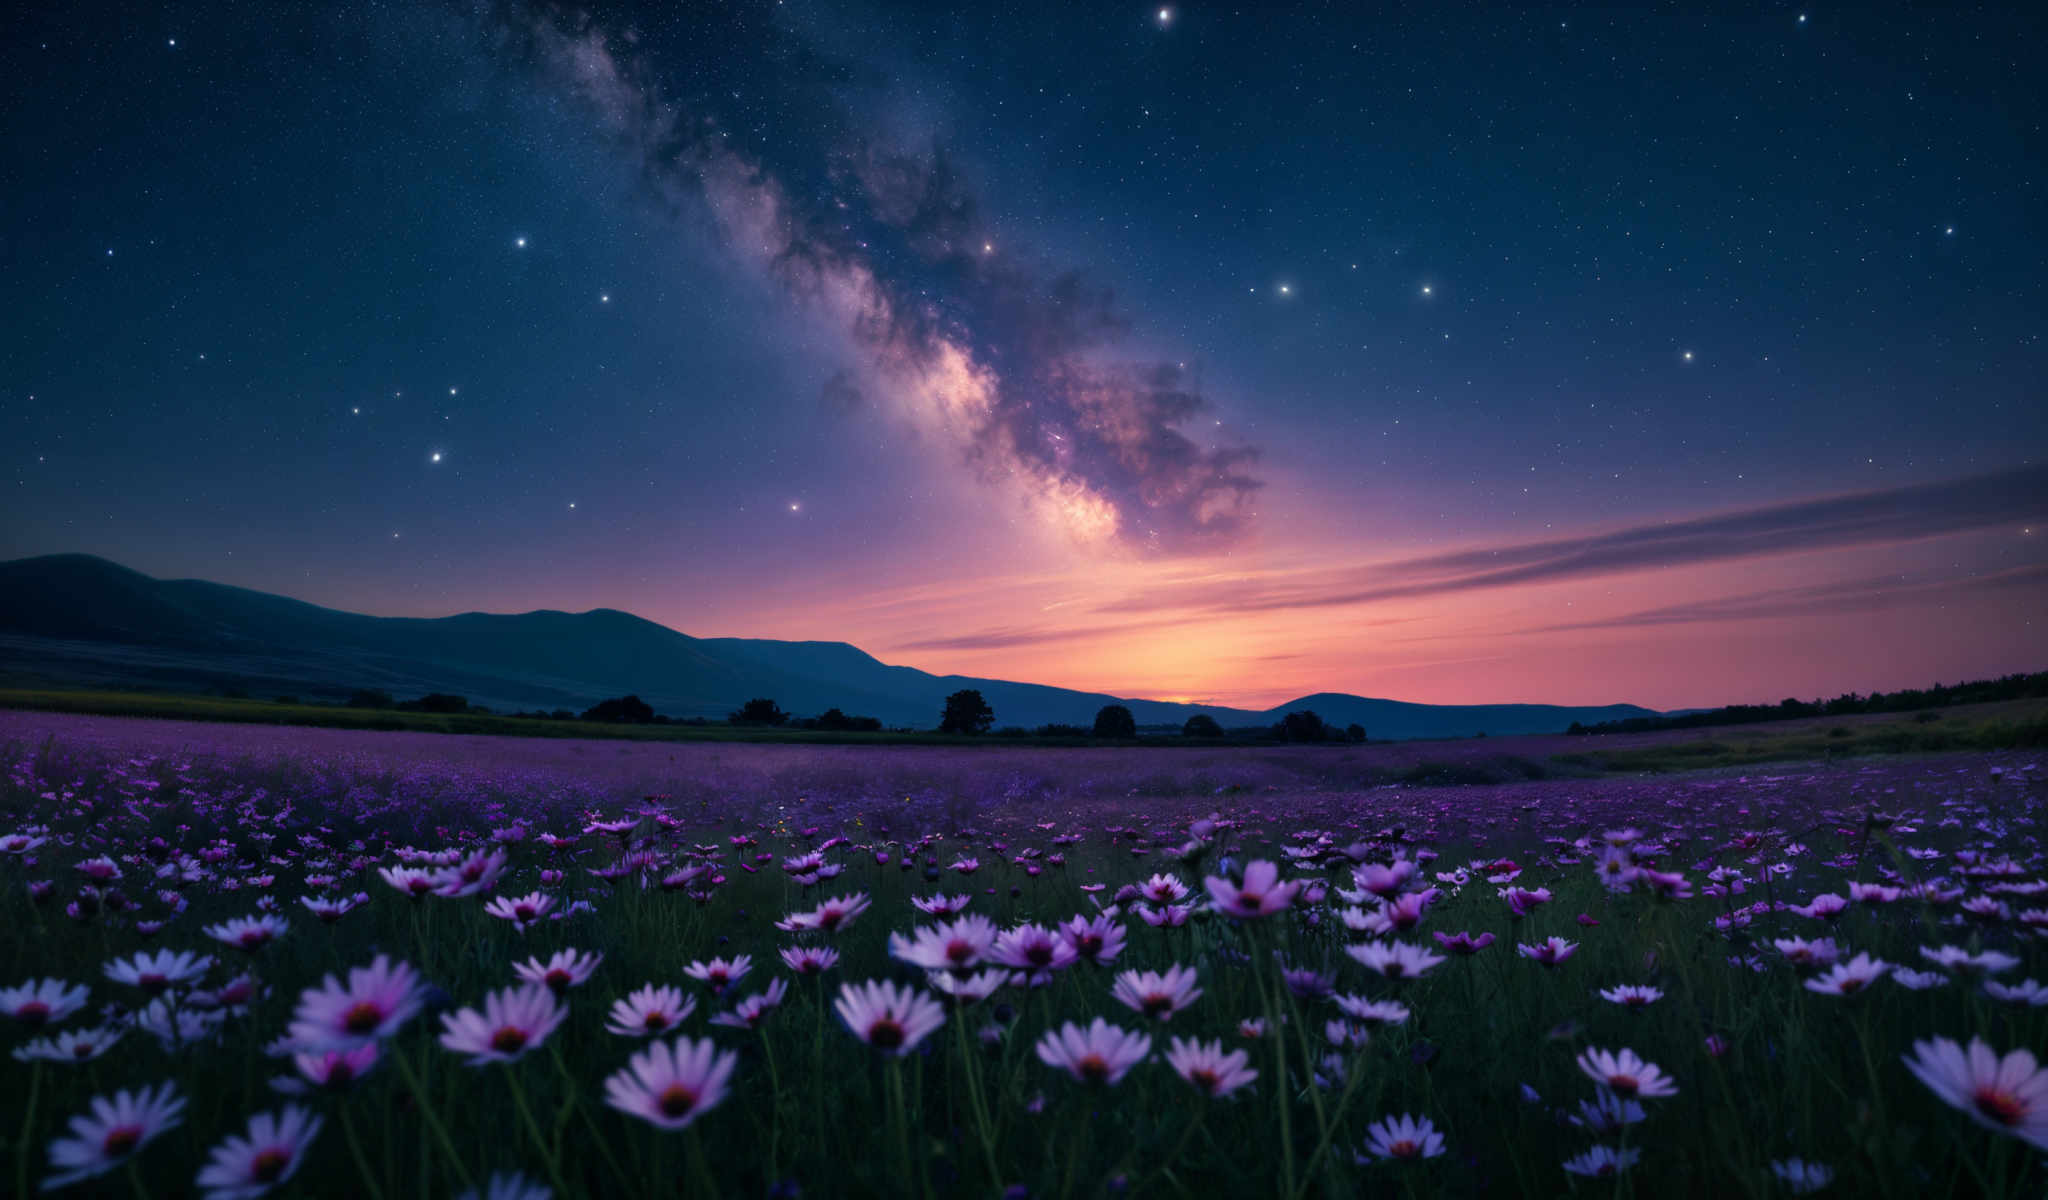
column 1115, row 721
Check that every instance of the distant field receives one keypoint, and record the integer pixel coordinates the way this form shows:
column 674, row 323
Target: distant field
column 2018, row 724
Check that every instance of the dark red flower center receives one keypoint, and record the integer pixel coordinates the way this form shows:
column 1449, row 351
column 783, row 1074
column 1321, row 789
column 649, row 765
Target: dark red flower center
column 1624, row 1085
column 1092, row 1068
column 121, row 1139
column 363, row 1018
column 885, row 1034
column 509, row 1040
column 35, row 1012
column 676, row 1100
column 2001, row 1107
column 269, row 1164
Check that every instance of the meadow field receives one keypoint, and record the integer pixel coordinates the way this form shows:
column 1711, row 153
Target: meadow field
column 246, row 960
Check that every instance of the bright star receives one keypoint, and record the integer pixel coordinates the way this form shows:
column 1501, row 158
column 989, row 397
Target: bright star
column 1286, row 289
column 572, row 504
column 1166, row 16
column 1687, row 356
column 1950, row 231
column 1802, row 18
column 795, row 507
column 519, row 242
column 451, row 391
column 606, row 298
column 434, row 457
column 356, row 411
column 1428, row 290
column 174, row 41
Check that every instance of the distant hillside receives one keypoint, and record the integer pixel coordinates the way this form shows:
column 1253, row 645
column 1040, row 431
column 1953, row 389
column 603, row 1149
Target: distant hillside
column 76, row 619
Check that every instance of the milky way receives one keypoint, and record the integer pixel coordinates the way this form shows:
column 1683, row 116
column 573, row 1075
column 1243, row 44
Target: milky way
column 1001, row 358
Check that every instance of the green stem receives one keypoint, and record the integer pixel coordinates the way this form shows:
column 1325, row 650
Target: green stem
column 533, row 1128
column 976, row 1102
column 419, row 1094
column 28, row 1128
column 355, row 1149
column 1260, row 963
column 604, row 1147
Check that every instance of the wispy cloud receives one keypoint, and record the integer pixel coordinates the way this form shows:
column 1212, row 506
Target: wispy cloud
column 1827, row 599
column 1863, row 518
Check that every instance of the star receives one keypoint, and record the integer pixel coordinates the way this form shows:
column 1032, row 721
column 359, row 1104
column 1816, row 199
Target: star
column 451, row 391
column 434, row 457
column 1165, row 17
column 174, row 41
column 1802, row 18
column 604, row 298
column 572, row 504
column 356, row 411
column 794, row 507
column 1286, row 289
column 1427, row 290
column 1687, row 356
column 1950, row 231
column 519, row 242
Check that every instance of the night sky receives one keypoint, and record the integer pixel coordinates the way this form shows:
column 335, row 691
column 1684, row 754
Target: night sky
column 1454, row 354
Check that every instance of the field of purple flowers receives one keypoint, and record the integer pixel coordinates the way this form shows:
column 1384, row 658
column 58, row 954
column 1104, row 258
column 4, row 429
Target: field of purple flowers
column 237, row 961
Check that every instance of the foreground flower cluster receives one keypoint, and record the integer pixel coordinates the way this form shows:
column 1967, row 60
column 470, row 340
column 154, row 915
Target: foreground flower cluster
column 227, row 988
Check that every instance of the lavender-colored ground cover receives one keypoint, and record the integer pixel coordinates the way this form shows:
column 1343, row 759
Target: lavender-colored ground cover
column 1442, row 990
column 993, row 787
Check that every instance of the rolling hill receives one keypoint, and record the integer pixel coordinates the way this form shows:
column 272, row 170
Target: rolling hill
column 75, row 619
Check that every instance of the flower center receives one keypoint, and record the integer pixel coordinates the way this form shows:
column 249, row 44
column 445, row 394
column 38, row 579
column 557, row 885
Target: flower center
column 268, row 1165
column 885, row 1034
column 676, row 1100
column 509, row 1040
column 1204, row 1078
column 121, row 1139
column 1092, row 1068
column 1624, row 1085
column 2001, row 1107
column 1157, row 1003
column 1404, row 1149
column 35, row 1012
column 655, row 1021
column 363, row 1018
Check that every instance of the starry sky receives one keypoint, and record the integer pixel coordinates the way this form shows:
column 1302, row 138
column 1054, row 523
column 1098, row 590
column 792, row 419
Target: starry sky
column 1679, row 355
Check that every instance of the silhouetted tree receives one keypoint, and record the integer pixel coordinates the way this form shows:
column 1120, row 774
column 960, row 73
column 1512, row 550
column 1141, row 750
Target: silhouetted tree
column 966, row 712
column 625, row 709
column 1115, row 721
column 1354, row 732
column 1201, row 725
column 835, row 720
column 437, row 702
column 369, row 698
column 1302, row 726
column 759, row 711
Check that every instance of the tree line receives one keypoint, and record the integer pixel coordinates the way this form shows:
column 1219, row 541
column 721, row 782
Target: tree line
column 966, row 712
column 1981, row 691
